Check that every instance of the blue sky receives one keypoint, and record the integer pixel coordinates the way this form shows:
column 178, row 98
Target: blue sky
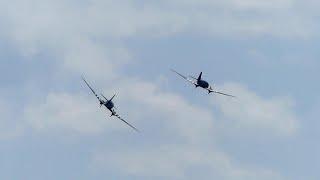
column 264, row 52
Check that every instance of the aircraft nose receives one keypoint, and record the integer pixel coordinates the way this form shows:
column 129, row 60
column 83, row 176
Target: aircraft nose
column 207, row 85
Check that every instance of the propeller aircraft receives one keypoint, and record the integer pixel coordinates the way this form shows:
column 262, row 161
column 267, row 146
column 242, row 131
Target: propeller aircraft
column 199, row 82
column 108, row 103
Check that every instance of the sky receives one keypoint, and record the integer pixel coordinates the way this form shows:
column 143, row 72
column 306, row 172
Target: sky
column 264, row 52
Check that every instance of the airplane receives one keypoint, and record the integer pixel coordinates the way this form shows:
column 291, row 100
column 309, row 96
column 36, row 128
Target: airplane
column 199, row 82
column 108, row 103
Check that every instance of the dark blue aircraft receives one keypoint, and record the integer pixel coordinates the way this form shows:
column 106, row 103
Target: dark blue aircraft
column 109, row 105
column 199, row 82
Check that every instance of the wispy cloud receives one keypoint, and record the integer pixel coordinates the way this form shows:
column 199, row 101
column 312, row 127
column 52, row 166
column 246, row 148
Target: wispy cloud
column 275, row 115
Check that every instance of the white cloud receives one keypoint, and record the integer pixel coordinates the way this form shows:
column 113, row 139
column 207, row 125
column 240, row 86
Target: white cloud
column 190, row 152
column 193, row 131
column 238, row 4
column 11, row 125
column 96, row 60
column 54, row 24
column 87, row 38
column 74, row 112
column 68, row 113
column 178, row 162
column 262, row 5
column 249, row 112
column 174, row 112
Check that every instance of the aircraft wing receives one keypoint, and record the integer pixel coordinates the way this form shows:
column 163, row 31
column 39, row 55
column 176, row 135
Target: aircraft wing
column 217, row 92
column 119, row 117
column 91, row 89
column 186, row 78
column 127, row 123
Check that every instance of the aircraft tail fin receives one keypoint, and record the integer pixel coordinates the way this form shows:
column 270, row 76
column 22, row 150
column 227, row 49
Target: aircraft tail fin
column 113, row 97
column 200, row 76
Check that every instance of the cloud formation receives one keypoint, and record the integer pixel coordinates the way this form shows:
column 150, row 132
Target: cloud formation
column 60, row 23
column 11, row 125
column 178, row 162
column 253, row 113
column 159, row 114
column 89, row 39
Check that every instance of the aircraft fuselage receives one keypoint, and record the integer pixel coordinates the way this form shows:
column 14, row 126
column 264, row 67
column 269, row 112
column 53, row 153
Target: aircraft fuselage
column 109, row 105
column 203, row 84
